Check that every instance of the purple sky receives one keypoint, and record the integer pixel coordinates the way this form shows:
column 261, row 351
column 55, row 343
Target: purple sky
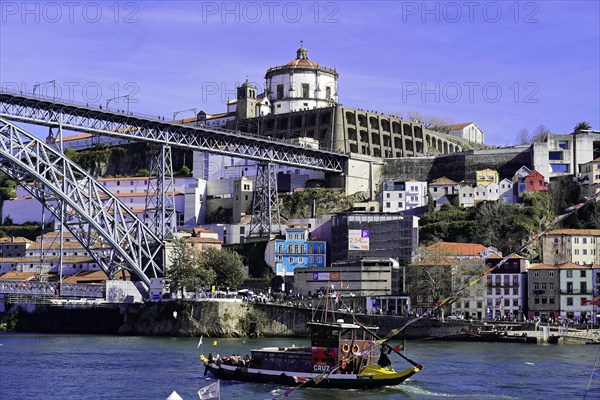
column 448, row 59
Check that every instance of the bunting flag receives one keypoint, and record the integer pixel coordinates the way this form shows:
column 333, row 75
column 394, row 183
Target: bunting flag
column 455, row 295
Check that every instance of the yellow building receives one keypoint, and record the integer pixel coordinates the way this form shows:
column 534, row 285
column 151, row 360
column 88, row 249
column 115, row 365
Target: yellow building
column 487, row 176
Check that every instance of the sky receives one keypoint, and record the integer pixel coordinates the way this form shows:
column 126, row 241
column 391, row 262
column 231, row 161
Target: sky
column 505, row 65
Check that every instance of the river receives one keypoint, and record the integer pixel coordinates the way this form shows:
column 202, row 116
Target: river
column 79, row 367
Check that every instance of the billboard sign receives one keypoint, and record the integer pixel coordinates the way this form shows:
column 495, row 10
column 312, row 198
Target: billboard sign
column 358, row 239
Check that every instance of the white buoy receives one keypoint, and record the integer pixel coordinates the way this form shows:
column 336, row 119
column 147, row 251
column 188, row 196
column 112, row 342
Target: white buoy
column 174, row 396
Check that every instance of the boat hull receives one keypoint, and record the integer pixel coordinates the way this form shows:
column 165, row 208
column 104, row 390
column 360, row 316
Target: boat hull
column 289, row 378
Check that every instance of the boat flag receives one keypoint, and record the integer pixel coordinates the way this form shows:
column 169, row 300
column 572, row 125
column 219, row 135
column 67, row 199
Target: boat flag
column 200, row 342
column 397, row 348
column 300, row 379
column 212, row 391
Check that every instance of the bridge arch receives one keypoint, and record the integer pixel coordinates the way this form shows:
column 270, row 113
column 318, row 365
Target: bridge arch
column 108, row 230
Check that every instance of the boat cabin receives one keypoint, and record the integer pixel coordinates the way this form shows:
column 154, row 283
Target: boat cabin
column 332, row 343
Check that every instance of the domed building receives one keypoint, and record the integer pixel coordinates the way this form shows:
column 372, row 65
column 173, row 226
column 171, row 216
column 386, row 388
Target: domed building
column 301, row 84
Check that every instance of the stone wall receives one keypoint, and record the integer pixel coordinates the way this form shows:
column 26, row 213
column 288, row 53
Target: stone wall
column 460, row 166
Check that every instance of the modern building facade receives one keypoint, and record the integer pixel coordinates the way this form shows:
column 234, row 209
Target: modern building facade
column 365, row 277
column 381, row 235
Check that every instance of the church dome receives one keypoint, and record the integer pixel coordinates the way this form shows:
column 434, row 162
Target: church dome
column 301, row 60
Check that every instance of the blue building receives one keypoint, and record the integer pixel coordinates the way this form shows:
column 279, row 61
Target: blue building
column 297, row 251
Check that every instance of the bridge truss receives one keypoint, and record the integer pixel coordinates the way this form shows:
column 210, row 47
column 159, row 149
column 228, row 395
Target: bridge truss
column 108, row 230
column 28, row 109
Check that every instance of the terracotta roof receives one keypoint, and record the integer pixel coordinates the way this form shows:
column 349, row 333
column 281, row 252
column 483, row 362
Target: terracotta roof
column 443, row 181
column 20, row 276
column 569, row 265
column 457, row 249
column 197, row 231
column 542, row 266
column 444, row 261
column 302, row 63
column 202, row 240
column 47, row 259
column 456, row 126
column 52, row 235
column 94, row 276
column 575, row 232
column 497, row 256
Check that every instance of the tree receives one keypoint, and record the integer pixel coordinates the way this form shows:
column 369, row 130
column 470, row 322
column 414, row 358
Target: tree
column 582, row 126
column 523, row 137
column 71, row 154
column 540, row 134
column 185, row 171
column 226, row 264
column 143, row 172
column 186, row 271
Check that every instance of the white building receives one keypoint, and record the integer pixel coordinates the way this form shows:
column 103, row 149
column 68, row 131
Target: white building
column 442, row 187
column 301, row 84
column 467, row 130
column 589, row 177
column 188, row 195
column 402, row 195
column 506, row 192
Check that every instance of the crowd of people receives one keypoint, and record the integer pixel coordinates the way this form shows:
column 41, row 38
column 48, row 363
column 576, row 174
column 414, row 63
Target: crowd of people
column 234, row 360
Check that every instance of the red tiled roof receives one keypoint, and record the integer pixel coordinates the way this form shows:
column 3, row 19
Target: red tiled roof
column 202, row 240
column 443, row 181
column 575, row 232
column 18, row 276
column 570, row 265
column 302, row 63
column 457, row 249
column 542, row 266
column 497, row 256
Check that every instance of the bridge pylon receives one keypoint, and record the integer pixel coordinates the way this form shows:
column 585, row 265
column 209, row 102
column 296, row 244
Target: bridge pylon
column 266, row 220
column 160, row 212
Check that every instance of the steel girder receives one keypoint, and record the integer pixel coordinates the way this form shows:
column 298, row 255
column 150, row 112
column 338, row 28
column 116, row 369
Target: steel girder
column 265, row 204
column 21, row 107
column 106, row 228
column 160, row 214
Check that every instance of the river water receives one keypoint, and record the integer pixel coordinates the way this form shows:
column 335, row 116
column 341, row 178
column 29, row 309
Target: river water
column 79, row 367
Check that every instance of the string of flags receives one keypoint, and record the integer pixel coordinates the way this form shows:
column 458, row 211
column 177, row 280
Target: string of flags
column 394, row 332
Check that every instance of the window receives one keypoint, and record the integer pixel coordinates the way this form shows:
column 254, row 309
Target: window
column 387, row 204
column 305, row 91
column 550, row 300
column 563, row 144
column 419, row 298
column 555, row 155
column 544, row 300
column 569, row 274
column 569, row 301
column 583, row 273
column 536, row 286
column 328, row 93
column 543, row 286
column 551, row 286
column 515, row 303
column 280, row 91
column 584, row 240
column 550, row 274
column 583, row 287
column 536, row 274
column 569, row 287
column 506, row 291
column 387, row 195
column 536, row 300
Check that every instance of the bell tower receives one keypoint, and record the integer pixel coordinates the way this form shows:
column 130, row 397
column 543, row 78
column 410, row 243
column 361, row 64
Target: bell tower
column 246, row 101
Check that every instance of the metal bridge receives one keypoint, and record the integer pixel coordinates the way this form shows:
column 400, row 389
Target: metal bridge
column 109, row 231
column 80, row 118
column 106, row 228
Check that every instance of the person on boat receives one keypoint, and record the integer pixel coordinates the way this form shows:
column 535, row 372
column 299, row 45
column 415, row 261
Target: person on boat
column 384, row 360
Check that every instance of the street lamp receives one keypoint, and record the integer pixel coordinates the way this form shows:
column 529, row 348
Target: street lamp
column 189, row 109
column 53, row 82
column 119, row 97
